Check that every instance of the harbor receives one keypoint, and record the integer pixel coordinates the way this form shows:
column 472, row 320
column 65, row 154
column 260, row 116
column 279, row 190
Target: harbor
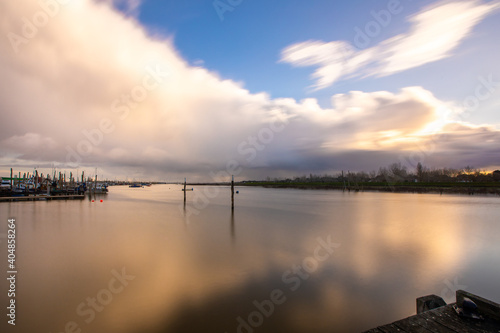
column 55, row 186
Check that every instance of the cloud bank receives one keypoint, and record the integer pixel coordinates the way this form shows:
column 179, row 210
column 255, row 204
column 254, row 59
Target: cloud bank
column 84, row 86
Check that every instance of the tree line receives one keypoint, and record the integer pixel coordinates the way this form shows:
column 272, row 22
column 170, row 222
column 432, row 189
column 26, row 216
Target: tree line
column 398, row 173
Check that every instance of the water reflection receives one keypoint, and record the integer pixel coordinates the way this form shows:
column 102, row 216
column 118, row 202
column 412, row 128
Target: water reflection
column 191, row 274
column 233, row 231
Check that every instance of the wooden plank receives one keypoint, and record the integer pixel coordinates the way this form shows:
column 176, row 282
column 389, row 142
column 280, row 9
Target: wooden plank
column 440, row 320
column 391, row 328
column 429, row 324
column 410, row 325
column 374, row 330
column 449, row 318
column 429, row 302
column 436, row 316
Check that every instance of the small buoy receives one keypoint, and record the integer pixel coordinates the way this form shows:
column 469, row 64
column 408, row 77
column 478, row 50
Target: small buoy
column 101, row 200
column 92, row 200
column 237, row 192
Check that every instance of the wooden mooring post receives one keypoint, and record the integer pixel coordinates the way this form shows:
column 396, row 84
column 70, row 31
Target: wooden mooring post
column 184, row 191
column 232, row 192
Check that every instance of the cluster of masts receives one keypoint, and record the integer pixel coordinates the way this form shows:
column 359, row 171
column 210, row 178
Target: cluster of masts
column 35, row 183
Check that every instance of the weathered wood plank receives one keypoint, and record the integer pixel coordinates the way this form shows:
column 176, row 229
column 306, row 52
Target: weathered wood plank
column 443, row 317
column 429, row 302
column 441, row 320
column 468, row 324
column 391, row 328
column 430, row 324
column 437, row 316
column 374, row 330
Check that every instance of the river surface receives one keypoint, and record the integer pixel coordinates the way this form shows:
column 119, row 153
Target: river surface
column 286, row 261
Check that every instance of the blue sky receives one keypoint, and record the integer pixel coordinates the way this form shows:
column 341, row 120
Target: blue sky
column 168, row 89
column 246, row 45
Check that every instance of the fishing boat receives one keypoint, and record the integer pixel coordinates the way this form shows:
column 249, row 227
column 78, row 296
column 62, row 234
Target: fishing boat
column 101, row 189
column 135, row 185
column 5, row 184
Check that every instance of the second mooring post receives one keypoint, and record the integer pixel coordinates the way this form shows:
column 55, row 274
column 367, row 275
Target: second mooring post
column 184, row 190
column 232, row 193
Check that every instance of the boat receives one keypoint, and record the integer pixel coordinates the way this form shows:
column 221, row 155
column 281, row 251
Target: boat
column 5, row 184
column 135, row 185
column 101, row 189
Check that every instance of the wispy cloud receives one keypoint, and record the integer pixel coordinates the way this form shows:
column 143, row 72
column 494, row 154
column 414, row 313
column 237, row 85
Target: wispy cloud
column 435, row 32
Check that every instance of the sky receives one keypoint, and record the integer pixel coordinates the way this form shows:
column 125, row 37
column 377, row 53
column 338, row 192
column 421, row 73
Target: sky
column 163, row 90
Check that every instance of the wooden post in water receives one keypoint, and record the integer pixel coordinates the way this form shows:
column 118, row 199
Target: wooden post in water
column 184, row 190
column 232, row 192
column 11, row 179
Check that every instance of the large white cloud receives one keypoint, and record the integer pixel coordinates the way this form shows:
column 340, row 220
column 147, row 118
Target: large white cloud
column 90, row 88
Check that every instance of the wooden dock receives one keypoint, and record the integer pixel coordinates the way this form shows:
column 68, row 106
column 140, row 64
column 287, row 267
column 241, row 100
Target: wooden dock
column 43, row 197
column 433, row 315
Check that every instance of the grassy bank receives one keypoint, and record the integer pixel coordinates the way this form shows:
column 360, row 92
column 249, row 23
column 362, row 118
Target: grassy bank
column 457, row 188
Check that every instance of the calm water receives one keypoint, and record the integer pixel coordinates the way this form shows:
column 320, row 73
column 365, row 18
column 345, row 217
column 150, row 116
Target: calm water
column 286, row 261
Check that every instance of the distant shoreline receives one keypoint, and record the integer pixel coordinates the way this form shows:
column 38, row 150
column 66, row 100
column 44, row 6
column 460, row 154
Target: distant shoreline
column 448, row 188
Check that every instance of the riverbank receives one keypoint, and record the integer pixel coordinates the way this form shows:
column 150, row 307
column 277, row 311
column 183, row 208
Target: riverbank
column 451, row 188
